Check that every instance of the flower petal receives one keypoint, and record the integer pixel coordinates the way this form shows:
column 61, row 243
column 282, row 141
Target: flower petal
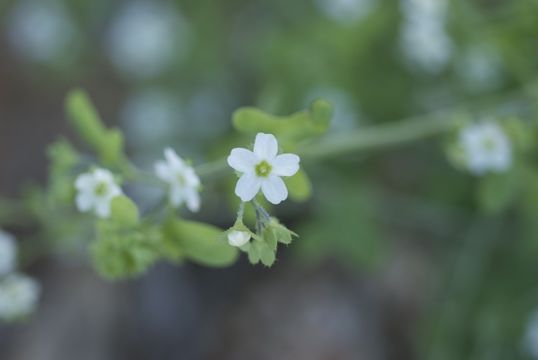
column 162, row 170
column 84, row 182
column 286, row 165
column 193, row 200
column 84, row 201
column 176, row 196
column 265, row 146
column 102, row 208
column 173, row 159
column 242, row 160
column 247, row 186
column 275, row 190
column 191, row 179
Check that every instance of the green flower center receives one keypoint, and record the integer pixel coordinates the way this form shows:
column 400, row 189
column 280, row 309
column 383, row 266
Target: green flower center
column 101, row 189
column 263, row 169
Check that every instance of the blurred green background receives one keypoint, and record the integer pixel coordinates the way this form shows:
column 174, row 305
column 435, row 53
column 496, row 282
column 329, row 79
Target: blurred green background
column 395, row 260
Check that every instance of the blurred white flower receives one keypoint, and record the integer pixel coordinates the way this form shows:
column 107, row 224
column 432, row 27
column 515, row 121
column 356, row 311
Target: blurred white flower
column 346, row 11
column 238, row 238
column 262, row 169
column 530, row 340
column 480, row 68
column 181, row 178
column 18, row 296
column 424, row 40
column 40, row 30
column 150, row 116
column 8, row 253
column 95, row 191
column 146, row 38
column 486, row 147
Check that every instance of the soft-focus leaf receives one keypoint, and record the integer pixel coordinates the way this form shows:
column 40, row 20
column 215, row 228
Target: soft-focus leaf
column 299, row 186
column 124, row 211
column 201, row 243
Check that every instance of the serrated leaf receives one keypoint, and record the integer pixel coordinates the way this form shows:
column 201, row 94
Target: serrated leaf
column 201, row 243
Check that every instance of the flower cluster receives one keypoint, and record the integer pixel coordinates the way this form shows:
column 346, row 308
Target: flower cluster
column 486, row 148
column 19, row 293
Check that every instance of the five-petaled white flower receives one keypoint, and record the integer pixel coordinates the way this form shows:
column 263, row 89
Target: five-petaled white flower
column 18, row 296
column 8, row 253
column 182, row 179
column 96, row 189
column 262, row 169
column 238, row 238
column 486, row 147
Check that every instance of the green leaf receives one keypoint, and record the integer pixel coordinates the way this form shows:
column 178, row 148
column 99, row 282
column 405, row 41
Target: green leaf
column 270, row 238
column 201, row 243
column 289, row 129
column 124, row 212
column 254, row 252
column 299, row 186
column 108, row 144
column 63, row 159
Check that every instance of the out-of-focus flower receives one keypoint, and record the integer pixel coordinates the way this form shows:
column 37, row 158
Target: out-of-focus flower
column 346, row 11
column 146, row 38
column 238, row 238
column 530, row 339
column 480, row 68
column 150, row 116
column 18, row 296
column 181, row 178
column 486, row 147
column 8, row 253
column 40, row 30
column 96, row 189
column 262, row 169
column 424, row 40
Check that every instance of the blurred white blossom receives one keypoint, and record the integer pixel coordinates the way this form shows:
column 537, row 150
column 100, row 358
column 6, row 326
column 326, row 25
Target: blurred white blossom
column 262, row 169
column 8, row 253
column 40, row 30
column 346, row 11
column 150, row 116
column 95, row 191
column 486, row 148
column 146, row 38
column 182, row 180
column 424, row 40
column 18, row 296
column 530, row 340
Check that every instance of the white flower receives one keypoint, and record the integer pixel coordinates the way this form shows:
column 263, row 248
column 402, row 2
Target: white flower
column 238, row 238
column 96, row 189
column 18, row 296
column 40, row 30
column 530, row 340
column 183, row 181
column 487, row 148
column 262, row 169
column 8, row 253
column 146, row 38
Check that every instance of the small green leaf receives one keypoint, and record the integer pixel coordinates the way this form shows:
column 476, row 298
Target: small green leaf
column 124, row 211
column 201, row 243
column 270, row 238
column 254, row 252
column 299, row 186
column 289, row 129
